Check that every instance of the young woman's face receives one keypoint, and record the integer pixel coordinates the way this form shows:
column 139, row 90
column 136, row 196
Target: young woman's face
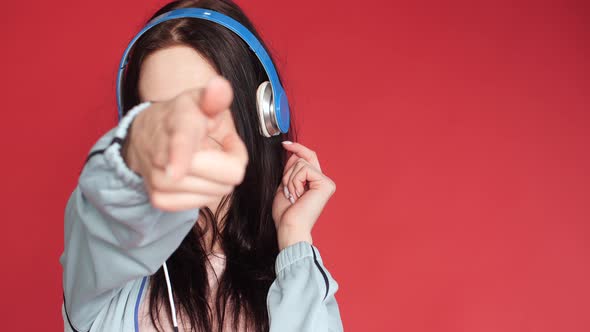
column 170, row 71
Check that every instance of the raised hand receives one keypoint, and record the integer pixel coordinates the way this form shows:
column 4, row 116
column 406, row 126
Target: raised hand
column 169, row 146
column 301, row 196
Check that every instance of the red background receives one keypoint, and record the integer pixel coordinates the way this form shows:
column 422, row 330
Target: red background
column 457, row 133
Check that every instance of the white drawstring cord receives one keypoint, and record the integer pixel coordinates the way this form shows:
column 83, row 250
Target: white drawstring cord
column 170, row 298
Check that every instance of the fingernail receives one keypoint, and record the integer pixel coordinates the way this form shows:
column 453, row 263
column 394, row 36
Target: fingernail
column 297, row 193
column 287, row 142
column 286, row 192
column 292, row 200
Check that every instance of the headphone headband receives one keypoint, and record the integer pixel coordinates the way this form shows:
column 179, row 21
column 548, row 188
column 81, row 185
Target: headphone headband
column 281, row 105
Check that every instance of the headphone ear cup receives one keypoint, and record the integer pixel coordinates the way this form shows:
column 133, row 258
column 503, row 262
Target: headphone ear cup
column 264, row 107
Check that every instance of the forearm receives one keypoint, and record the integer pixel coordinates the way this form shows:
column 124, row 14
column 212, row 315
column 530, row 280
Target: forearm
column 288, row 235
column 302, row 296
column 112, row 233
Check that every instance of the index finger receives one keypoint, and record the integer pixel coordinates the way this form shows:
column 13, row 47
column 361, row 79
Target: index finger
column 229, row 139
column 203, row 104
column 186, row 128
column 226, row 166
column 303, row 152
column 233, row 145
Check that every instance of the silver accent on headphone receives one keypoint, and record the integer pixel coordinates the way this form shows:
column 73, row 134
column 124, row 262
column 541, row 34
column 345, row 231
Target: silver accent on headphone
column 267, row 108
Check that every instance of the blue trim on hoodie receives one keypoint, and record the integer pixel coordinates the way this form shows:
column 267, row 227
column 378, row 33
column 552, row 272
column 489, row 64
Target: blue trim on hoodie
column 137, row 304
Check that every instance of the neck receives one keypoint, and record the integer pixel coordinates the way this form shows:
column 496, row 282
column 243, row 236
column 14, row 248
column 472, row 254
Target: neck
column 210, row 245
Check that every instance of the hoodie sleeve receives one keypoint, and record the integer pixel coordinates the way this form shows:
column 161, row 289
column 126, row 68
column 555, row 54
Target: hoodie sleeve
column 302, row 296
column 113, row 235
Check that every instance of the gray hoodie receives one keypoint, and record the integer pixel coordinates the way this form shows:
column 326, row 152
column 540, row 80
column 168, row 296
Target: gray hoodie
column 115, row 239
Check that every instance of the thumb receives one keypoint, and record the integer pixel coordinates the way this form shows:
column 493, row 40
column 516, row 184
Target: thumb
column 215, row 97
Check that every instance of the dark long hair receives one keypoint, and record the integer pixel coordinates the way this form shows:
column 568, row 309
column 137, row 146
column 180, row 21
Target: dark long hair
column 248, row 236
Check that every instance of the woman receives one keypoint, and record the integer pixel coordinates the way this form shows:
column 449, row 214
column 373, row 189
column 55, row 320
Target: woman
column 185, row 217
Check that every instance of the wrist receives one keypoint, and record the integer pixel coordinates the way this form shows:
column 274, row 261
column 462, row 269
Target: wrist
column 288, row 236
column 127, row 153
column 128, row 148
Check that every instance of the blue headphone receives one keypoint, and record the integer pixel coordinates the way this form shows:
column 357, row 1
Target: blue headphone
column 271, row 100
